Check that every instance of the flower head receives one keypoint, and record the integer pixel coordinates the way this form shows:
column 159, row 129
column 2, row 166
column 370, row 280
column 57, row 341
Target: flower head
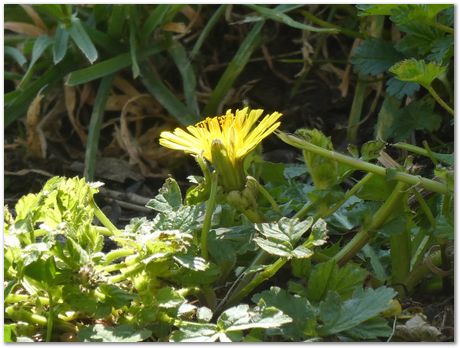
column 224, row 140
column 238, row 133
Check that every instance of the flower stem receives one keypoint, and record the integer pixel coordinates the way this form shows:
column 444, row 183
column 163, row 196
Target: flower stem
column 210, row 206
column 265, row 193
column 440, row 101
column 104, row 220
column 363, row 236
column 400, row 255
column 302, row 144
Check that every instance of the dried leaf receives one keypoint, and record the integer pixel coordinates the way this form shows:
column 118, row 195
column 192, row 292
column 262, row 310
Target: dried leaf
column 34, row 139
column 175, row 27
column 125, row 86
column 70, row 95
column 417, row 329
column 34, row 16
column 126, row 140
column 24, row 28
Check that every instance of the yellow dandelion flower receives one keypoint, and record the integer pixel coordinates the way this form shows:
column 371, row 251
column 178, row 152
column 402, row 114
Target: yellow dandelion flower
column 233, row 136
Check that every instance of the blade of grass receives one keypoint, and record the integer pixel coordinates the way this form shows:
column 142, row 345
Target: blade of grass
column 116, row 21
column 104, row 41
column 40, row 45
column 234, row 69
column 82, row 40
column 356, row 110
column 95, row 126
column 133, row 19
column 22, row 99
column 278, row 16
column 165, row 97
column 206, row 30
column 108, row 66
column 15, row 54
column 61, row 41
column 179, row 55
column 327, row 24
column 157, row 17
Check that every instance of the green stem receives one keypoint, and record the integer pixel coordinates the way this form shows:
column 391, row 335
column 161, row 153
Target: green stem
column 440, row 101
column 116, row 254
column 423, row 152
column 421, row 270
column 302, row 144
column 363, row 236
column 326, row 24
column 19, row 314
column 443, row 27
column 356, row 111
column 50, row 321
column 128, row 271
column 347, row 195
column 103, row 219
column 262, row 276
column 210, row 206
column 425, row 208
column 304, row 211
column 400, row 255
column 265, row 193
column 14, row 298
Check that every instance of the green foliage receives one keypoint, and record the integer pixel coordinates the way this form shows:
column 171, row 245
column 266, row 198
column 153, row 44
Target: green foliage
column 230, row 324
column 398, row 123
column 328, row 276
column 417, row 71
column 339, row 316
column 281, row 238
column 374, row 57
column 122, row 333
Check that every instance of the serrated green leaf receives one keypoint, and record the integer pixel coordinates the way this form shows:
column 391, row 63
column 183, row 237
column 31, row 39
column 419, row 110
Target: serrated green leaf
column 298, row 308
column 241, row 317
column 399, row 123
column 115, row 296
column 400, row 89
column 417, row 71
column 375, row 56
column 339, row 316
column 371, row 150
column 327, row 276
column 191, row 262
column 193, row 332
column 419, row 39
column 168, row 297
column 442, row 50
column 375, row 10
column 204, row 315
column 319, row 279
column 169, row 197
column 377, row 188
column 281, row 238
column 115, row 334
column 370, row 329
column 324, row 172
